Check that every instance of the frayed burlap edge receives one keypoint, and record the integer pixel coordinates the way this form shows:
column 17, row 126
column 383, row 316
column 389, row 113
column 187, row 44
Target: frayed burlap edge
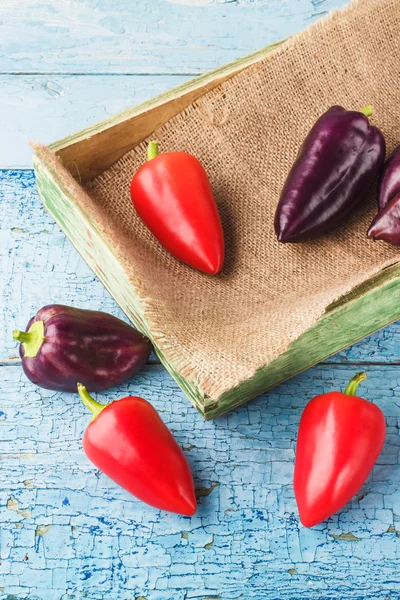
column 119, row 244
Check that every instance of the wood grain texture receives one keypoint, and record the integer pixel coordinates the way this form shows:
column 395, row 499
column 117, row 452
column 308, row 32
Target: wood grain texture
column 98, row 36
column 96, row 148
column 68, row 532
column 48, row 107
column 53, row 38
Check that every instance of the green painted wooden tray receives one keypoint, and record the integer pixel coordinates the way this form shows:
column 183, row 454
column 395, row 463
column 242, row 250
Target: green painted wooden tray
column 372, row 306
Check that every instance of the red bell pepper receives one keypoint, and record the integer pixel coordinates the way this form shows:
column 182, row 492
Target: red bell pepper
column 172, row 195
column 340, row 438
column 129, row 442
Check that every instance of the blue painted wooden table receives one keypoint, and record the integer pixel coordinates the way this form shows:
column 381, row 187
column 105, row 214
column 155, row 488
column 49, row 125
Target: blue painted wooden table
column 67, row 532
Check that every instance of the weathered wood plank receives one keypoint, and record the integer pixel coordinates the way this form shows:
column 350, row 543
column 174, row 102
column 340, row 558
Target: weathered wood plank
column 67, row 529
column 40, row 266
column 49, row 107
column 189, row 37
column 122, row 132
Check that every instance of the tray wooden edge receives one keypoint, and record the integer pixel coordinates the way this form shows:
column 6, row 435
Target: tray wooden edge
column 84, row 151
column 84, row 236
column 368, row 308
column 348, row 320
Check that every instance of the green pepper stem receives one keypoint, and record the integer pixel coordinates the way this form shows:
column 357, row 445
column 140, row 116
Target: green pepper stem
column 90, row 403
column 351, row 388
column 31, row 339
column 367, row 110
column 152, row 150
column 21, row 336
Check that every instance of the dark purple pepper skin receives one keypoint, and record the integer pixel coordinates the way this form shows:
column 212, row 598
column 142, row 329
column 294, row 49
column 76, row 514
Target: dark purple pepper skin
column 85, row 346
column 339, row 159
column 389, row 180
column 386, row 225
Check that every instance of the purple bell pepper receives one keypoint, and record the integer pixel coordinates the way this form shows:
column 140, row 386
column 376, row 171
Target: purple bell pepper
column 389, row 180
column 338, row 161
column 63, row 346
column 386, row 225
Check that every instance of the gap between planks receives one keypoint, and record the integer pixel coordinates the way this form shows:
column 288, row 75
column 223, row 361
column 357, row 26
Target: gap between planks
column 99, row 74
column 154, row 362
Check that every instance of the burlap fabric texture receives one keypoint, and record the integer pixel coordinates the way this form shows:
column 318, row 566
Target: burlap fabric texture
column 217, row 331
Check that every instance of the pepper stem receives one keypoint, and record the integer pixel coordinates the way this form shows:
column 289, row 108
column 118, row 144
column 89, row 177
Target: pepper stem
column 367, row 110
column 21, row 336
column 351, row 389
column 31, row 339
column 90, row 403
column 152, row 150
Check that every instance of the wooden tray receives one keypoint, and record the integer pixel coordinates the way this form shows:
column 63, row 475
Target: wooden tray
column 370, row 307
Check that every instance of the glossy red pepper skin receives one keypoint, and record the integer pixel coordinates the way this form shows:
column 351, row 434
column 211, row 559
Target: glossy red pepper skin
column 340, row 438
column 173, row 197
column 337, row 162
column 129, row 442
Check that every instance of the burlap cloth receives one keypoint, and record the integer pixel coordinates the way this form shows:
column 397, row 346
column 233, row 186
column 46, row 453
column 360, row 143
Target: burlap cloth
column 217, row 331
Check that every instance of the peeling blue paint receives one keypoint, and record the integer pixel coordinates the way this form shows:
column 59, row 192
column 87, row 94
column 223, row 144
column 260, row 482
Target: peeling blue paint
column 38, row 541
column 245, row 540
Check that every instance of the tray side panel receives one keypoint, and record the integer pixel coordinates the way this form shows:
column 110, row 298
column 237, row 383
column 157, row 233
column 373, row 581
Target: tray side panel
column 373, row 306
column 94, row 149
column 376, row 307
column 97, row 254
